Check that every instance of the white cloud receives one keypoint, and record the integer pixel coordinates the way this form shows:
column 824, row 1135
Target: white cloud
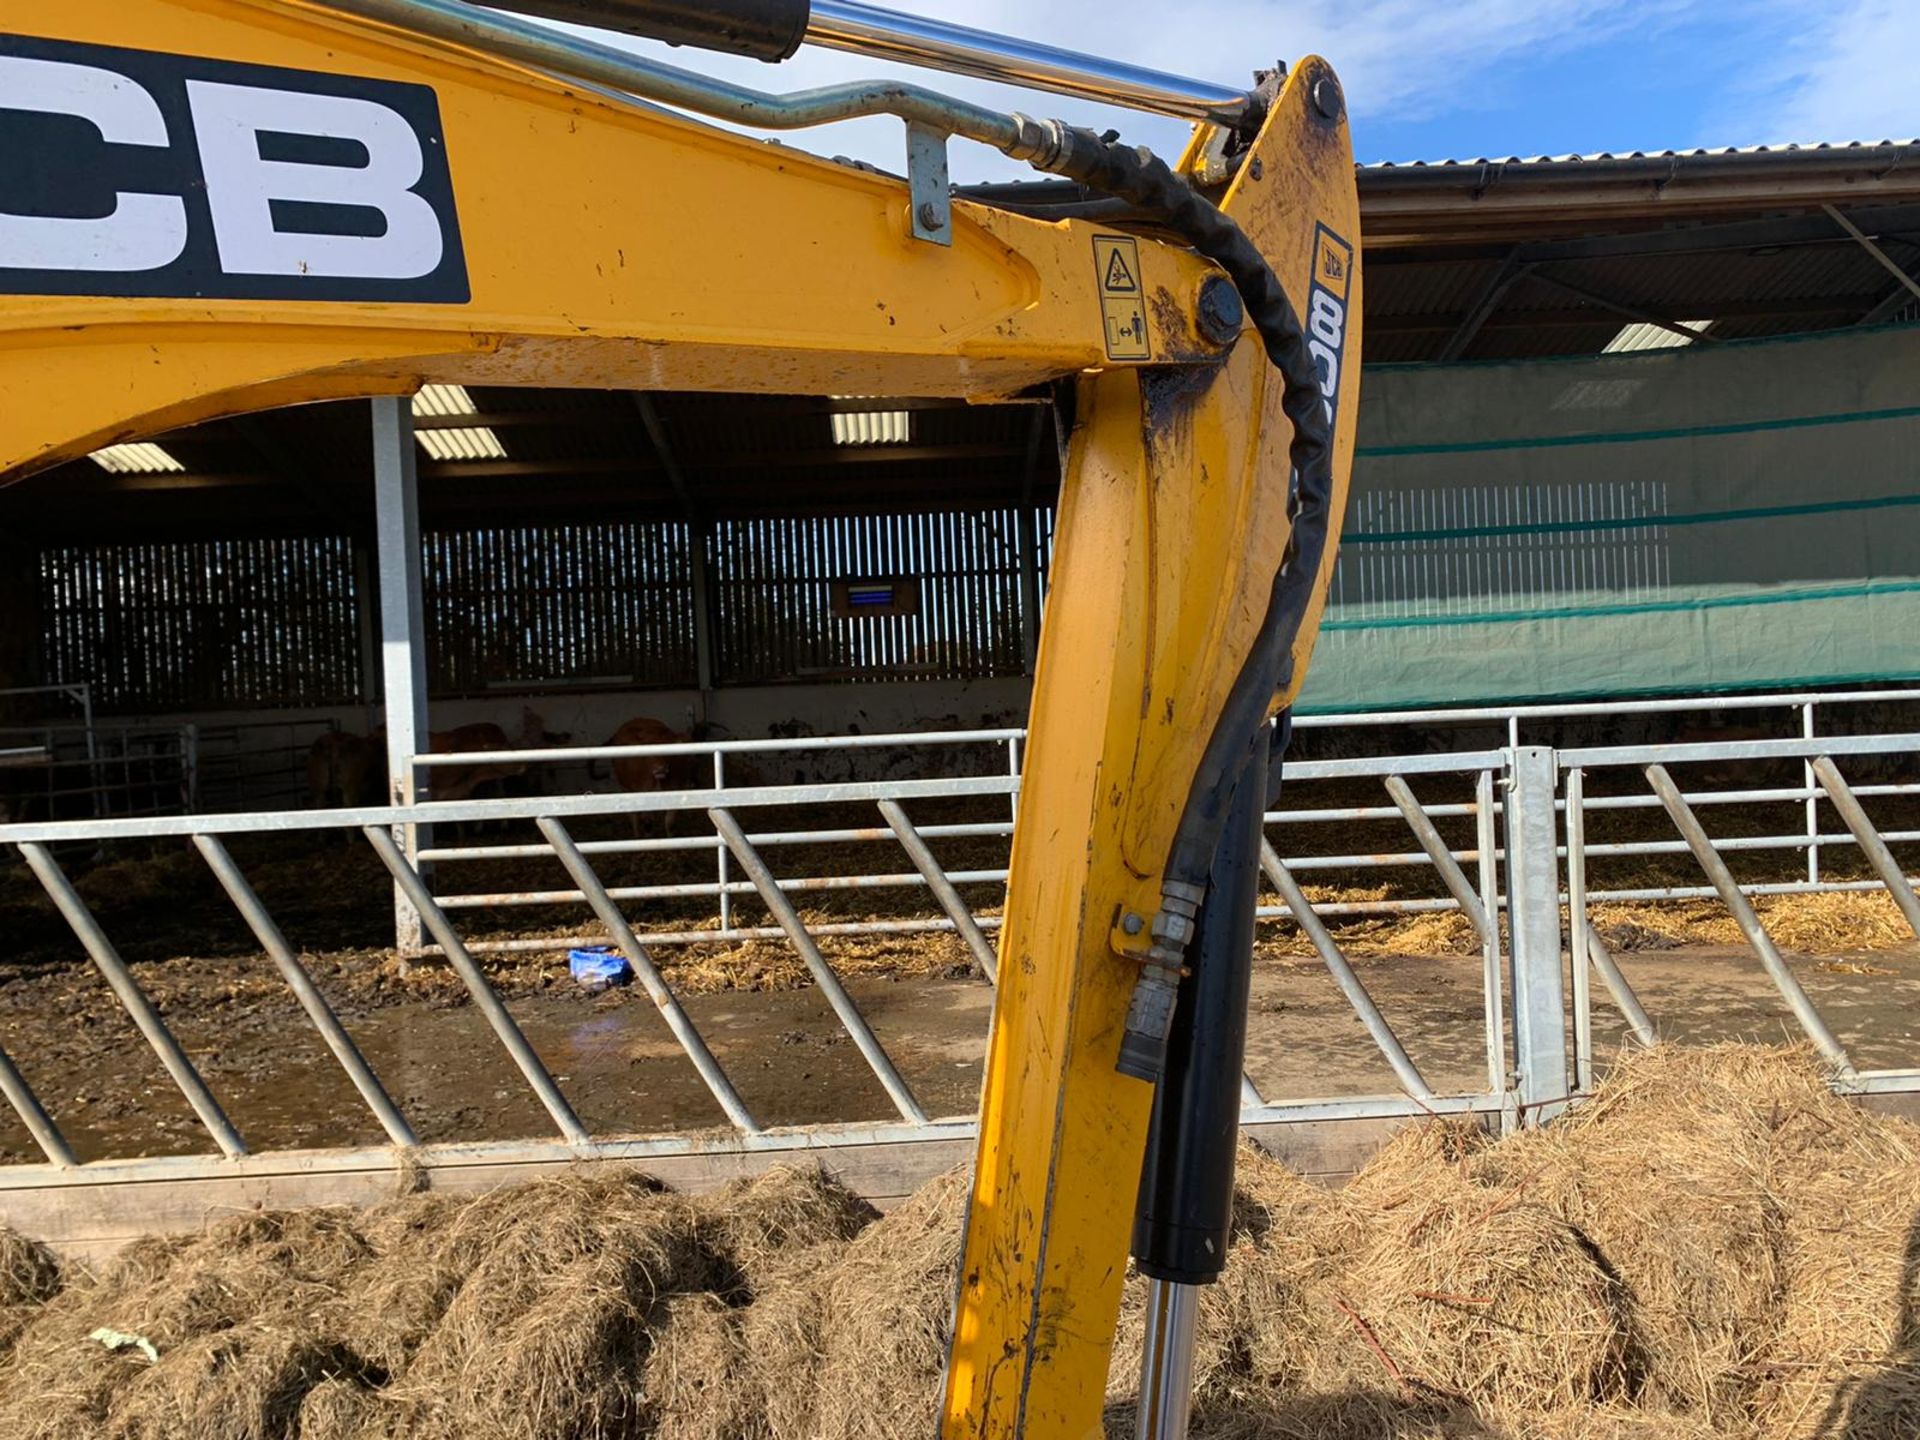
column 1399, row 59
column 1844, row 73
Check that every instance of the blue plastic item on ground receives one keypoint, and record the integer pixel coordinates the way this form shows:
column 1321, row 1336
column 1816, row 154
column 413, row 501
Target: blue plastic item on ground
column 598, row 967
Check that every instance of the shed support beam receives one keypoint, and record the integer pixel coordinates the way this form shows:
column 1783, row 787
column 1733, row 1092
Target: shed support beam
column 1511, row 271
column 1909, row 290
column 697, row 535
column 366, row 620
column 403, row 650
column 1027, row 534
column 1632, row 312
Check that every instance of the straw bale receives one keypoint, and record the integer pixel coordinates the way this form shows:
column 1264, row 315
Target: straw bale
column 1715, row 1247
column 1448, row 1290
column 239, row 1316
column 724, row 1367
column 554, row 1291
column 1667, row 1173
column 691, row 1380
column 1845, row 1360
column 784, row 1335
column 29, row 1277
column 885, row 1315
column 343, row 1409
column 757, row 1223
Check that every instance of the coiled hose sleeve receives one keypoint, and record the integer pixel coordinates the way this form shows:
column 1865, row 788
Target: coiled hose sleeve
column 1139, row 177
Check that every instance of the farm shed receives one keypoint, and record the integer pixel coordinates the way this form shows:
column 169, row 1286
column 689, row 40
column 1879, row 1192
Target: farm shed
column 1573, row 459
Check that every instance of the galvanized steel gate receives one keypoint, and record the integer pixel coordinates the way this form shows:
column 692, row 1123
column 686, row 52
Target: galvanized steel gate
column 1528, row 807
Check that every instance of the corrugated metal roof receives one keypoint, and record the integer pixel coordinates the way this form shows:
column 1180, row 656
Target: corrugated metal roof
column 1640, row 336
column 467, row 442
column 1817, row 148
column 138, row 457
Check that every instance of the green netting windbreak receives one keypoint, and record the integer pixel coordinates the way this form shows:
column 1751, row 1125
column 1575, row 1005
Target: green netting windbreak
column 1712, row 517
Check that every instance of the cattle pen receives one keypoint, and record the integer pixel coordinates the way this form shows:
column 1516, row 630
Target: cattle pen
column 330, row 734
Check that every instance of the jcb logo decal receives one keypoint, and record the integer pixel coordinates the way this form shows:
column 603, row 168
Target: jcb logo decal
column 128, row 172
column 1327, row 311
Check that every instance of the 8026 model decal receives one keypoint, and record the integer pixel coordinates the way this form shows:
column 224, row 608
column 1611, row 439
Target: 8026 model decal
column 136, row 173
column 1326, row 320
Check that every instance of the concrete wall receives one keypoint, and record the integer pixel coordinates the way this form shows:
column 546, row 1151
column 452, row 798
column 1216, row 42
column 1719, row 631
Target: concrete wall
column 277, row 739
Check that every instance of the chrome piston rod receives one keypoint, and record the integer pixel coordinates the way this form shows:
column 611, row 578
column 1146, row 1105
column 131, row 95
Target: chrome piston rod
column 770, row 30
column 941, row 45
column 1166, row 1361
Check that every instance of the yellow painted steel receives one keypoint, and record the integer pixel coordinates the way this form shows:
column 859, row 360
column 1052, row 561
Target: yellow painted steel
column 1173, row 519
column 608, row 245
column 617, row 247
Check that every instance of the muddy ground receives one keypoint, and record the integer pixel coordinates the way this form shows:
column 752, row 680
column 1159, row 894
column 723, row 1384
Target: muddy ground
column 792, row 1063
column 761, row 1015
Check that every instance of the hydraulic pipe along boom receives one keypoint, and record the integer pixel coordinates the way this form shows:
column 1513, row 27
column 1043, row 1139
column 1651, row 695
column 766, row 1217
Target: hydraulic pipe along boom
column 774, row 29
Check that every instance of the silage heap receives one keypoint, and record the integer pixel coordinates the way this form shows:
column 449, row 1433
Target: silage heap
column 1715, row 1246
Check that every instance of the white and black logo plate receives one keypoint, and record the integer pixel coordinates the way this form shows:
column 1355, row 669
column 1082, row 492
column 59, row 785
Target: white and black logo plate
column 129, row 172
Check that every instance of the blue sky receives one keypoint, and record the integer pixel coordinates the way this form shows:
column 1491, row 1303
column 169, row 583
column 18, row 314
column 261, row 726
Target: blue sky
column 1468, row 78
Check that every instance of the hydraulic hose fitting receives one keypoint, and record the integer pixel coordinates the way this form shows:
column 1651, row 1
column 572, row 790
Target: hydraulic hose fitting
column 1143, row 1044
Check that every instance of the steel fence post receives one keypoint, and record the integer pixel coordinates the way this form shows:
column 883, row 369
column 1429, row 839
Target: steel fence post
column 1807, row 729
column 1493, row 995
column 1745, row 916
column 1579, row 952
column 1534, row 954
column 247, row 901
column 33, row 1115
column 722, row 866
column 402, row 639
column 949, row 898
column 1351, row 987
column 1899, row 890
column 132, row 998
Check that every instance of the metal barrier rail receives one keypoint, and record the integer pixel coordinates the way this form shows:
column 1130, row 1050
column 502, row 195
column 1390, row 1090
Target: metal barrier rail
column 723, row 889
column 378, row 826
column 1820, row 756
column 112, row 769
column 1508, row 885
column 553, row 815
column 1307, row 858
column 1804, row 705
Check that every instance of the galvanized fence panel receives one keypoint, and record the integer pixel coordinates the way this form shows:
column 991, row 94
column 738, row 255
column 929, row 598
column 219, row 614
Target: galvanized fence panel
column 1450, row 808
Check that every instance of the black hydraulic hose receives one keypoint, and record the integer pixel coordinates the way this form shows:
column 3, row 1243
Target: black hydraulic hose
column 1185, row 1211
column 762, row 29
column 1139, row 177
column 1142, row 178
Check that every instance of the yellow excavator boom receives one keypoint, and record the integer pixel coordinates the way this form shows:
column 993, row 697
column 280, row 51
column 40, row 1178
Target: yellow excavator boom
column 241, row 204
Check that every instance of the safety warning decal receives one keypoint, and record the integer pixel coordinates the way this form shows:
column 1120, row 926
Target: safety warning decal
column 1116, row 262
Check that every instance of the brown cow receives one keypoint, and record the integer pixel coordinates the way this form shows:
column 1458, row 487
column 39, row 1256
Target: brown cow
column 347, row 769
column 458, row 782
column 344, row 769
column 645, row 774
column 651, row 774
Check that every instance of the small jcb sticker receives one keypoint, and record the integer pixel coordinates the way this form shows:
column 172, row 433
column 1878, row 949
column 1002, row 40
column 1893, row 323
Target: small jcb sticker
column 1116, row 264
column 1332, row 263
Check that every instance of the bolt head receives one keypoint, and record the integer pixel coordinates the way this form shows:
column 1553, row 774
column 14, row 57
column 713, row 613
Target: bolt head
column 1132, row 924
column 1327, row 99
column 1257, row 168
column 1220, row 312
column 929, row 215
